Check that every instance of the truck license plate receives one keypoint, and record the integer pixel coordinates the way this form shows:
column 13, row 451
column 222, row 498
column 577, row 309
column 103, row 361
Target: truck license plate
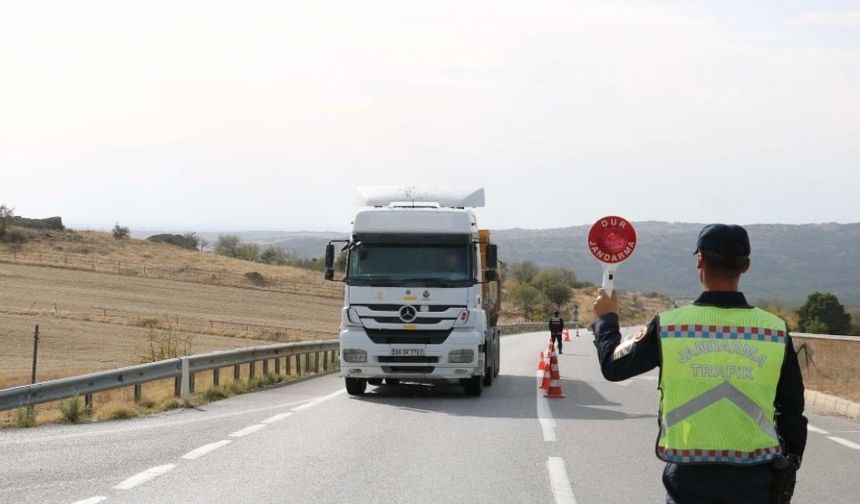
column 407, row 352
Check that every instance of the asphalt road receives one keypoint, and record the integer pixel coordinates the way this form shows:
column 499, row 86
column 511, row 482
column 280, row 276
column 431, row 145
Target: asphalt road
column 310, row 442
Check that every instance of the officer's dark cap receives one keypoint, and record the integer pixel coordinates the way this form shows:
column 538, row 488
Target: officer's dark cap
column 726, row 244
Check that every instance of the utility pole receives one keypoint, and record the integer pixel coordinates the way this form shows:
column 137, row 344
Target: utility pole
column 35, row 352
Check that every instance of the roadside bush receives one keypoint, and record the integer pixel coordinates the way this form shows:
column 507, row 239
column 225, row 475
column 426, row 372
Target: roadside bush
column 115, row 411
column 189, row 241
column 25, row 417
column 120, row 232
column 73, row 410
column 248, row 252
column 824, row 314
column 227, row 245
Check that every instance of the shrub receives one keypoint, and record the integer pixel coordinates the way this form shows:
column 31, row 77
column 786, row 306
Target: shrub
column 120, row 232
column 226, row 245
column 73, row 410
column 115, row 411
column 823, row 313
column 189, row 241
column 25, row 417
column 7, row 214
column 248, row 252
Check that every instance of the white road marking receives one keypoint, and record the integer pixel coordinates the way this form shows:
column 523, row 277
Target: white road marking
column 812, row 428
column 318, row 400
column 844, row 442
column 91, row 500
column 205, row 449
column 156, row 425
column 561, row 488
column 247, row 430
column 147, row 475
column 276, row 418
column 544, row 414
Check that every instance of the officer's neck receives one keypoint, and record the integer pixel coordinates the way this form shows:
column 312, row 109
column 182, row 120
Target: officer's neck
column 721, row 284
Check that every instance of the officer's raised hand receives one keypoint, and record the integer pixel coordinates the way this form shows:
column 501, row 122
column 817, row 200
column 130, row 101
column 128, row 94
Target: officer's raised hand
column 605, row 304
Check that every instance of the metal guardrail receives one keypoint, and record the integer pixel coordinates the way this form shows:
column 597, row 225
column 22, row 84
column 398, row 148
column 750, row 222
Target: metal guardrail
column 825, row 337
column 184, row 369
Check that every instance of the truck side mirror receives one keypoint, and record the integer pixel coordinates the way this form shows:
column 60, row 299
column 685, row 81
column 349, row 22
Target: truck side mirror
column 492, row 256
column 329, row 261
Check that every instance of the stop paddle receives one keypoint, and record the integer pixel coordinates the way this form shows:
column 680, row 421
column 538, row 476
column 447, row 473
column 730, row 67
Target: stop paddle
column 611, row 241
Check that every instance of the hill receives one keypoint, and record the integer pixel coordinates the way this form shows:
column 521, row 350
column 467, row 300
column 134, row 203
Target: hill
column 788, row 261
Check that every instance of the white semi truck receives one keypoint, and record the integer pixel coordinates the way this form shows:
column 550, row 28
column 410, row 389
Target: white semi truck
column 421, row 297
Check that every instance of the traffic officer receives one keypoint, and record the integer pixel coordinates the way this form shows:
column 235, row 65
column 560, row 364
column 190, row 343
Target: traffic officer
column 556, row 326
column 731, row 419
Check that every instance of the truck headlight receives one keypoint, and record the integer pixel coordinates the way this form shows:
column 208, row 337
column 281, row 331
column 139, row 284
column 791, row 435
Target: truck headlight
column 461, row 356
column 352, row 355
column 462, row 317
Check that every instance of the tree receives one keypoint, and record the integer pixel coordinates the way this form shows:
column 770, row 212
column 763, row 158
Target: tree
column 523, row 272
column 120, row 232
column 277, row 255
column 823, row 313
column 226, row 245
column 7, row 214
column 525, row 298
column 248, row 251
column 555, row 285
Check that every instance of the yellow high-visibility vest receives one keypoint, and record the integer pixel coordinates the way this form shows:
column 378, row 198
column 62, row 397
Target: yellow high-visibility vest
column 719, row 372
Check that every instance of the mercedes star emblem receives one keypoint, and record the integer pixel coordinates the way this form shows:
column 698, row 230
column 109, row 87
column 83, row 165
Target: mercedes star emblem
column 408, row 313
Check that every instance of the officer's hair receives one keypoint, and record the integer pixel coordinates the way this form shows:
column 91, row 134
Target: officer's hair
column 718, row 265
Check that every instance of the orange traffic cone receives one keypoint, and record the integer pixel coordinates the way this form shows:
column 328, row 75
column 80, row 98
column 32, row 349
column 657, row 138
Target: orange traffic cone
column 541, row 363
column 554, row 390
column 547, row 377
column 566, row 335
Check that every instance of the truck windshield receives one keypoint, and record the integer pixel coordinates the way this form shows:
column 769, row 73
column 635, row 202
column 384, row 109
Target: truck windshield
column 393, row 264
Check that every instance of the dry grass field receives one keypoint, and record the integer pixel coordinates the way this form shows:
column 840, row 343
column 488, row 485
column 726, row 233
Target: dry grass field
column 91, row 320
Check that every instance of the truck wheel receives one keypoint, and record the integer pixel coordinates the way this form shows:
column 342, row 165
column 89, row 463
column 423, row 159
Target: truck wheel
column 392, row 381
column 355, row 386
column 474, row 386
column 488, row 377
column 375, row 381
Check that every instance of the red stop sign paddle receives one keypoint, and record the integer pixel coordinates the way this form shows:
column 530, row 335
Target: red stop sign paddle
column 612, row 241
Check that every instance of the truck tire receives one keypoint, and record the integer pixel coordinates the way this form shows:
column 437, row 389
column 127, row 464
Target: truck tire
column 488, row 377
column 474, row 386
column 392, row 381
column 355, row 386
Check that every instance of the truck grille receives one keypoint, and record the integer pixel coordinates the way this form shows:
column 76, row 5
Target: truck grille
column 389, row 336
column 408, row 369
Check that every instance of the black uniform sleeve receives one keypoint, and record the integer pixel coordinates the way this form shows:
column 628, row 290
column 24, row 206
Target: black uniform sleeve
column 619, row 364
column 790, row 422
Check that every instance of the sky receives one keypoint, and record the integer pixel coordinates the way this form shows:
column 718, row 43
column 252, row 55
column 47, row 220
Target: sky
column 265, row 115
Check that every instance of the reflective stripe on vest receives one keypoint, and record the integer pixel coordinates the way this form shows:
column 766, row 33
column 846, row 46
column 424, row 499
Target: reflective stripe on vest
column 719, row 372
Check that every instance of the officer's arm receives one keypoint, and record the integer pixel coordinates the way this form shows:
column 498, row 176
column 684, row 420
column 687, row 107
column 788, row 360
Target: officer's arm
column 635, row 356
column 790, row 422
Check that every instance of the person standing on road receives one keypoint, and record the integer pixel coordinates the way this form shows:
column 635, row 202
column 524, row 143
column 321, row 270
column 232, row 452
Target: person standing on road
column 731, row 394
column 556, row 326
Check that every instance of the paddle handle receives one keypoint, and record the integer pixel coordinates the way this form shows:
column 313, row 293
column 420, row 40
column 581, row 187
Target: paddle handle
column 609, row 278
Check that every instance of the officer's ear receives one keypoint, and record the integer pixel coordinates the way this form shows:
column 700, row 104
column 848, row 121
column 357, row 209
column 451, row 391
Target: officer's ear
column 746, row 266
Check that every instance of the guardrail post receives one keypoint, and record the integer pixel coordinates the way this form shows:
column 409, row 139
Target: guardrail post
column 177, row 386
column 307, row 363
column 216, row 377
column 278, row 365
column 252, row 370
column 265, row 366
column 316, row 362
column 191, row 384
column 138, row 392
column 325, row 360
column 88, row 403
column 185, row 389
column 287, row 370
column 298, row 364
column 237, row 373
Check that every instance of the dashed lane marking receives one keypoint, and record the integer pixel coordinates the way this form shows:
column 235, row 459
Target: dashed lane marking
column 812, row 428
column 544, row 414
column 314, row 402
column 276, row 418
column 91, row 500
column 147, row 475
column 845, row 442
column 206, row 449
column 247, row 430
column 561, row 488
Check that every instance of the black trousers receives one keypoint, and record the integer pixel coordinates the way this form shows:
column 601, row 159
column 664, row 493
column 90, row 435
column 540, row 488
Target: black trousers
column 556, row 338
column 718, row 484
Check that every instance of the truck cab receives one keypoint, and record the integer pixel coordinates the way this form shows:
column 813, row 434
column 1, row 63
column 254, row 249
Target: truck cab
column 421, row 291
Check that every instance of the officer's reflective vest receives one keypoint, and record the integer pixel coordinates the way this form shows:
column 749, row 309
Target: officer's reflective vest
column 718, row 378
